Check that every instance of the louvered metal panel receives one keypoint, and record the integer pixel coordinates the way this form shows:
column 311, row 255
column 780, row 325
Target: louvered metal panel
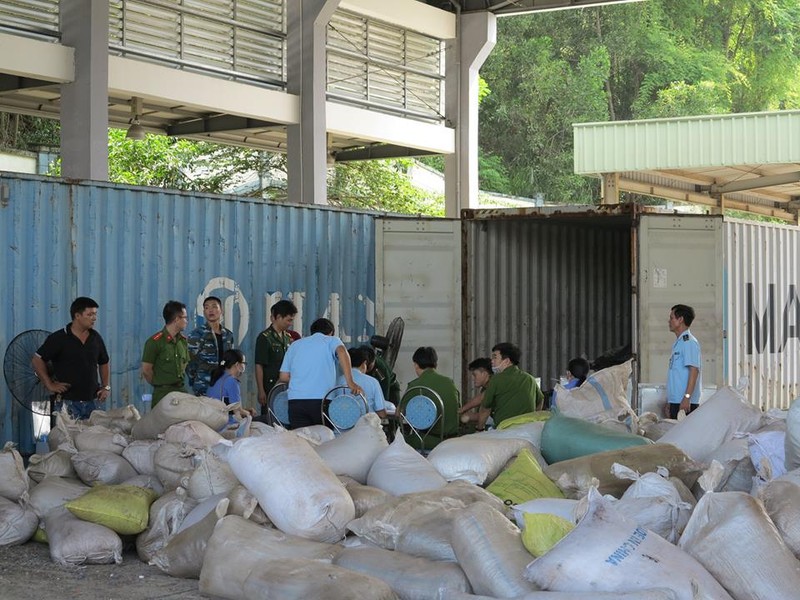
column 376, row 65
column 133, row 249
column 241, row 39
column 38, row 18
column 556, row 287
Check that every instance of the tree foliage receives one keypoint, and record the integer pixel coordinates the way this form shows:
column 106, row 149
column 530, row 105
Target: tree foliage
column 660, row 58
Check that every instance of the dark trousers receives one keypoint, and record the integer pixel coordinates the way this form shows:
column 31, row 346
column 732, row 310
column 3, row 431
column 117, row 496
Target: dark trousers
column 675, row 408
column 303, row 413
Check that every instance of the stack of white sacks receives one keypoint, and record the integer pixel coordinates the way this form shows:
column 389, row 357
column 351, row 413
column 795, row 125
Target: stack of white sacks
column 711, row 510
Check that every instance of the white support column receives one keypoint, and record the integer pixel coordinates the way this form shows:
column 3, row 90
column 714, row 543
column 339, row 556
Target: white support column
column 84, row 101
column 609, row 188
column 306, row 77
column 477, row 35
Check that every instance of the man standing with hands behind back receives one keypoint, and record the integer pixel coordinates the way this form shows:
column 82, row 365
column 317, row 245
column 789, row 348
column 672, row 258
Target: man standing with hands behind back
column 77, row 353
column 683, row 377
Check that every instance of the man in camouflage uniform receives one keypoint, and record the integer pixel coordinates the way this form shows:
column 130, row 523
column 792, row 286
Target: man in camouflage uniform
column 166, row 353
column 207, row 344
column 271, row 346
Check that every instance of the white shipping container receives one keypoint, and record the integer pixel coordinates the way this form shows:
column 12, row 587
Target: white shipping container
column 566, row 281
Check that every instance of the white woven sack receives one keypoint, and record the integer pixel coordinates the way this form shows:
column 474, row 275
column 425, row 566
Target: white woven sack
column 713, row 423
column 608, row 553
column 399, row 521
column 18, row 523
column 183, row 554
column 239, row 548
column 98, row 466
column 653, row 502
column 353, row 452
column 166, row 515
column 400, row 469
column 296, row 579
column 602, row 397
column 767, row 453
column 148, row 482
column 76, row 542
column 364, row 497
column 116, row 419
column 176, row 407
column 489, row 549
column 651, row 594
column 53, row 492
column 141, row 454
column 192, row 433
column 57, row 463
column 64, row 430
column 102, row 439
column 737, row 468
column 13, row 479
column 474, row 458
column 532, row 432
column 732, row 536
column 315, row 434
column 411, row 578
column 297, row 490
column 172, row 462
column 211, row 476
column 559, row 507
column 781, row 498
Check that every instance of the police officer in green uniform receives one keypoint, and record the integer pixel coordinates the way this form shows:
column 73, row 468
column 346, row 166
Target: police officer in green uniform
column 166, row 353
column 511, row 391
column 271, row 346
column 425, row 360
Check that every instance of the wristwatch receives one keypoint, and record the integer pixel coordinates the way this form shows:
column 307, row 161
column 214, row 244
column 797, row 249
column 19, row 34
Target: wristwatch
column 687, row 396
column 107, row 388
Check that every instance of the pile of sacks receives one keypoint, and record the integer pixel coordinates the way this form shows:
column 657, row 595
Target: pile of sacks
column 567, row 508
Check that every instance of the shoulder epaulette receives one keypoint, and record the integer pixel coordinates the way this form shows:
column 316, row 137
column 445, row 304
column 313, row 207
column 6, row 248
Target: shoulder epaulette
column 685, row 337
column 158, row 335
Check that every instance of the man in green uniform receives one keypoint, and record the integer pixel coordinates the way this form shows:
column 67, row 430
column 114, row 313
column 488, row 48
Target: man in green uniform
column 511, row 391
column 380, row 370
column 271, row 346
column 425, row 362
column 166, row 353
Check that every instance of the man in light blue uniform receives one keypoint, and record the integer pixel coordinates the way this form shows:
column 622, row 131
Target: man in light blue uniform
column 371, row 386
column 683, row 378
column 309, row 368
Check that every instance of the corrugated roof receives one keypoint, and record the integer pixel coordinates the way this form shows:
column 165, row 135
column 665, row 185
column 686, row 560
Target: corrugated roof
column 751, row 161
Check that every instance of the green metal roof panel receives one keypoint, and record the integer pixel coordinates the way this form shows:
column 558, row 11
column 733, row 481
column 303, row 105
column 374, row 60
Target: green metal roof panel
column 687, row 142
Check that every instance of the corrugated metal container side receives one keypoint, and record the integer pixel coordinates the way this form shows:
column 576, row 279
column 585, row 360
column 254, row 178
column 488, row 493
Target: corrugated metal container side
column 133, row 249
column 763, row 310
column 557, row 287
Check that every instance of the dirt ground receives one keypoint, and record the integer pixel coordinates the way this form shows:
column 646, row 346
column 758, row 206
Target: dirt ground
column 26, row 572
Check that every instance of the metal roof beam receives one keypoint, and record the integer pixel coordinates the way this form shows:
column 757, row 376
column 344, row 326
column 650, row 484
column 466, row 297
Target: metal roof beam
column 13, row 83
column 379, row 152
column 753, row 184
column 218, row 123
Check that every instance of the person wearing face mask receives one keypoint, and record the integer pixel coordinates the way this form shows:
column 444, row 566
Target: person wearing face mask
column 481, row 371
column 225, row 383
column 511, row 391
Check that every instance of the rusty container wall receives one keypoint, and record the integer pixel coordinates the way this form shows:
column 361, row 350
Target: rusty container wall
column 132, row 249
column 762, row 310
column 559, row 286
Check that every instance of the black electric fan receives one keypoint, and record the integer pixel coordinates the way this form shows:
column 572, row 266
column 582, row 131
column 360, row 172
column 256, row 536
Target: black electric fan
column 21, row 379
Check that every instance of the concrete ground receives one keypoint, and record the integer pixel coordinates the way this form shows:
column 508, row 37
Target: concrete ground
column 27, row 573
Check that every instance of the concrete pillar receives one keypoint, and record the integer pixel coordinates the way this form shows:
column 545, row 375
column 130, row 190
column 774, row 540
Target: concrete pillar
column 609, row 188
column 84, row 102
column 477, row 35
column 307, row 141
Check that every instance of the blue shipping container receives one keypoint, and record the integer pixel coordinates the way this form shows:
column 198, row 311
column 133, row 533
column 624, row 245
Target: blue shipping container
column 132, row 249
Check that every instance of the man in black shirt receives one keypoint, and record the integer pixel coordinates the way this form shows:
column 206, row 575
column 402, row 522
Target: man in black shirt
column 77, row 354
